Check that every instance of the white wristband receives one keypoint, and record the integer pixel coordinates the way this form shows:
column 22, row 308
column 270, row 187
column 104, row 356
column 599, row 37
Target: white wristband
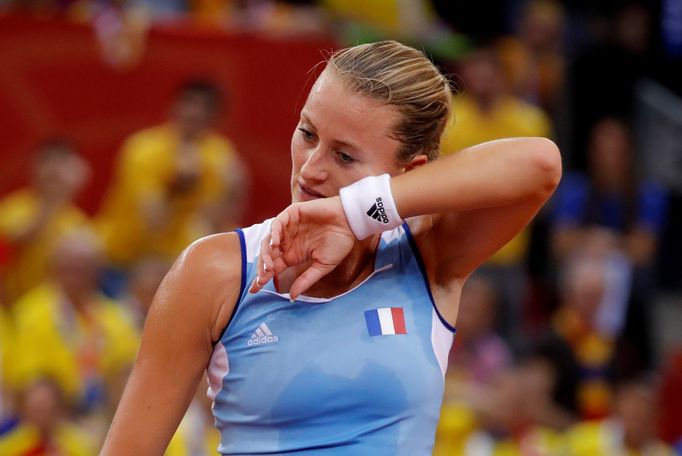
column 369, row 206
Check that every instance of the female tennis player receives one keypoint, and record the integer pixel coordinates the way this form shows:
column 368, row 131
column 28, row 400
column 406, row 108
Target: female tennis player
column 344, row 352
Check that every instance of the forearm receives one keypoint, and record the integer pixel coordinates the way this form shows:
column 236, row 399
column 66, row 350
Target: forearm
column 493, row 174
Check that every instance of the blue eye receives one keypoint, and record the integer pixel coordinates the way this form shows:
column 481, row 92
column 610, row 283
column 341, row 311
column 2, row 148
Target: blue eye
column 307, row 136
column 344, row 158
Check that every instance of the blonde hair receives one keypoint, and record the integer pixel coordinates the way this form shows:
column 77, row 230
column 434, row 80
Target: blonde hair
column 403, row 77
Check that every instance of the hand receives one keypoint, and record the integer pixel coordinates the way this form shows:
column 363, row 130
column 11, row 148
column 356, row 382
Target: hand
column 316, row 231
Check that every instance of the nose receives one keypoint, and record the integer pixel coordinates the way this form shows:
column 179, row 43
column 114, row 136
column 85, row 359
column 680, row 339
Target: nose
column 314, row 168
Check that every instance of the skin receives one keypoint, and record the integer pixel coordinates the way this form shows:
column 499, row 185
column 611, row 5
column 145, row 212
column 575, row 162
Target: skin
column 462, row 209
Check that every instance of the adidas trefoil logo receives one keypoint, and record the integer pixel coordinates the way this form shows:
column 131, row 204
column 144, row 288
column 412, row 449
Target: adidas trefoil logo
column 377, row 211
column 263, row 335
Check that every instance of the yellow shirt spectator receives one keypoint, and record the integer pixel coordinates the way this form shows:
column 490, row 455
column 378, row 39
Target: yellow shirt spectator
column 77, row 351
column 146, row 172
column 510, row 117
column 604, row 438
column 457, row 422
column 392, row 17
column 18, row 211
column 458, row 434
column 67, row 440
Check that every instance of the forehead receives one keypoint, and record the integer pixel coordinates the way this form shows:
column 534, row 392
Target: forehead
column 333, row 106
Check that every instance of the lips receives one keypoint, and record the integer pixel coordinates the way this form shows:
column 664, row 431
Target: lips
column 308, row 192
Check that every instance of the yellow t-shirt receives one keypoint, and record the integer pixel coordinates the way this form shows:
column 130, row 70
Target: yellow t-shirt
column 458, row 434
column 68, row 439
column 145, row 168
column 510, row 118
column 52, row 340
column 602, row 438
column 17, row 212
column 387, row 16
column 457, row 422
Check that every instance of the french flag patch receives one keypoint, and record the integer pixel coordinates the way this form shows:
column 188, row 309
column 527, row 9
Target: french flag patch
column 385, row 321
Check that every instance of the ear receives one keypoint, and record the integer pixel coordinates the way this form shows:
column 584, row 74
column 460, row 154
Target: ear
column 416, row 162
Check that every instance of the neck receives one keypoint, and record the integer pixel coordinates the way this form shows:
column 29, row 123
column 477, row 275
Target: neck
column 355, row 268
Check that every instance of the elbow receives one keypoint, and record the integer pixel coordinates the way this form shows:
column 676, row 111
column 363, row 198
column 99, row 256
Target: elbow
column 546, row 159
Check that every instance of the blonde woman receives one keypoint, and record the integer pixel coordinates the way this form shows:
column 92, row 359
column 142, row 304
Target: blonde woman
column 379, row 239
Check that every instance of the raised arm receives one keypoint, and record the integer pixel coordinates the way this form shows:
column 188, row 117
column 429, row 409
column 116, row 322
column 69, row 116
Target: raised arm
column 480, row 198
column 462, row 209
column 190, row 310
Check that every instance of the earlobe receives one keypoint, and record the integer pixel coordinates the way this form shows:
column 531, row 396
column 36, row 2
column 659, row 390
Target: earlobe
column 416, row 162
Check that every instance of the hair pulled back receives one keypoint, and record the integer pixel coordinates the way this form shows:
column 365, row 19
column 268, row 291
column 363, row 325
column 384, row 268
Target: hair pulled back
column 403, row 77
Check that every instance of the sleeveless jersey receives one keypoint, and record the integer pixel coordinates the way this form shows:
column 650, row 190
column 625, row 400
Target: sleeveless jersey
column 357, row 374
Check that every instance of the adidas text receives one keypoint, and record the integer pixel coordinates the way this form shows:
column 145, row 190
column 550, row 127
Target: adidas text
column 262, row 340
column 262, row 335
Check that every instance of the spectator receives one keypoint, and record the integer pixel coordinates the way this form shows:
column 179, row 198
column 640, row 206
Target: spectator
column 34, row 217
column 478, row 353
column 389, row 18
column 532, row 59
column 145, row 278
column 501, row 423
column 594, row 296
column 68, row 331
column 548, row 385
column 611, row 196
column 42, row 428
column 476, row 358
column 603, row 76
column 174, row 183
column 487, row 111
column 631, row 429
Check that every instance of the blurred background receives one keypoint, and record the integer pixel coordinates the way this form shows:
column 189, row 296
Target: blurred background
column 129, row 128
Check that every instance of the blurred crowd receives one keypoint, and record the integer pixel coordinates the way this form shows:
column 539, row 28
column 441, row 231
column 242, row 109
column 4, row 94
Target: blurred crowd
column 556, row 351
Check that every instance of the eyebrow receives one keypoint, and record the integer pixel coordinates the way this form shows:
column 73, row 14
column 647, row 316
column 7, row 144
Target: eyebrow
column 338, row 141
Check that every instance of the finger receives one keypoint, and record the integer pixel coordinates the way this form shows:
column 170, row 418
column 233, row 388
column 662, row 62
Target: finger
column 275, row 232
column 255, row 286
column 259, row 267
column 263, row 266
column 279, row 225
column 309, row 277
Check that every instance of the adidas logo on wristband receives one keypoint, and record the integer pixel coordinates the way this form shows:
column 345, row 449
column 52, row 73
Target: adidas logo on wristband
column 377, row 211
column 369, row 206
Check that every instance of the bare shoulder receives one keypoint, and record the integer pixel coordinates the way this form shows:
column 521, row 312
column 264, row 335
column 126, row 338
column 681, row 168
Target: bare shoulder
column 206, row 277
column 210, row 258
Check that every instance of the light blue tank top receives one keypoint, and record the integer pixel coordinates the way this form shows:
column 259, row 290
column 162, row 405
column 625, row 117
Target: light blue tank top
column 357, row 374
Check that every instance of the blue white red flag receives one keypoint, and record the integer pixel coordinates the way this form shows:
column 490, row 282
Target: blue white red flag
column 385, row 321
